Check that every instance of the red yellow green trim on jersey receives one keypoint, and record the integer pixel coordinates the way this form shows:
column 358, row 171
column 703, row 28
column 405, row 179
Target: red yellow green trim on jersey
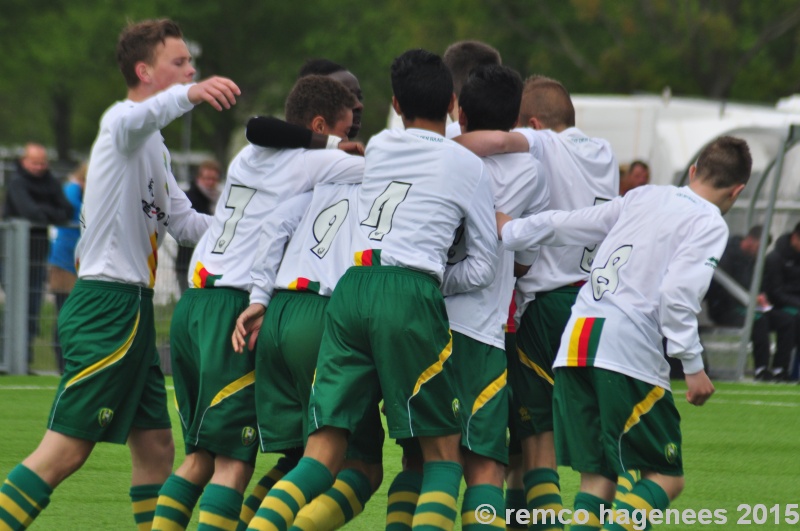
column 370, row 257
column 202, row 278
column 303, row 284
column 583, row 341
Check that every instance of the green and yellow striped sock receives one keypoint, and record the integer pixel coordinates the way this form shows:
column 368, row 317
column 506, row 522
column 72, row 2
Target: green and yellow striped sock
column 515, row 500
column 176, row 501
column 219, row 508
column 340, row 504
column 403, row 496
column 144, row 499
column 481, row 495
column 646, row 495
column 592, row 506
column 23, row 496
column 252, row 503
column 436, row 506
column 543, row 495
column 309, row 479
column 626, row 482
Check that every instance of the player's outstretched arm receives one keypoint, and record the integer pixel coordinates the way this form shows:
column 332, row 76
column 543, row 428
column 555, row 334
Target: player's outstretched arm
column 219, row 92
column 271, row 132
column 486, row 143
column 700, row 388
column 248, row 323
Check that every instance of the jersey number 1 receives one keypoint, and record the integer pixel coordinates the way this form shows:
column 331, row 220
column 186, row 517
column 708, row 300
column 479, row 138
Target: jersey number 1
column 382, row 211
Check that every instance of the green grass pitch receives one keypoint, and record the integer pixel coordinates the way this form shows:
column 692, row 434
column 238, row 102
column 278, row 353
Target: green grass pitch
column 742, row 447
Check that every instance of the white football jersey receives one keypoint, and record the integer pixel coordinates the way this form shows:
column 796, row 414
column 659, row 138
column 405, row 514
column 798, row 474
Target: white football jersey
column 418, row 187
column 580, row 171
column 259, row 179
column 132, row 199
column 518, row 190
column 319, row 251
column 649, row 276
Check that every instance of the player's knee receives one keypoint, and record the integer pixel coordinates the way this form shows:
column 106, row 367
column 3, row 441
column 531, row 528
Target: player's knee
column 232, row 473
column 480, row 470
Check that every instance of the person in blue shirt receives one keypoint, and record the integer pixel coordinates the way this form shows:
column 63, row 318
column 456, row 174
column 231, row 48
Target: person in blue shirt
column 62, row 251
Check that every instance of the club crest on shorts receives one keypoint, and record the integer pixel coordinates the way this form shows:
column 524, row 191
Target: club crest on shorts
column 456, row 407
column 248, row 435
column 104, row 417
column 671, row 453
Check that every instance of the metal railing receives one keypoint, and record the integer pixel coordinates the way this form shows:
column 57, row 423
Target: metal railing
column 20, row 354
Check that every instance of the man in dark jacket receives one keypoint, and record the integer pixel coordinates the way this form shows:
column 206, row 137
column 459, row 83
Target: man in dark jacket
column 782, row 281
column 203, row 193
column 739, row 262
column 33, row 193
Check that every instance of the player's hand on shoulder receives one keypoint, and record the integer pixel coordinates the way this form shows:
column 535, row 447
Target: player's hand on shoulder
column 700, row 388
column 354, row 148
column 219, row 92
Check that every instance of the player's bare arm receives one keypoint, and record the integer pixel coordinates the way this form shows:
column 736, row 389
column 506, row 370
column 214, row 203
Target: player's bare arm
column 219, row 92
column 486, row 143
column 248, row 323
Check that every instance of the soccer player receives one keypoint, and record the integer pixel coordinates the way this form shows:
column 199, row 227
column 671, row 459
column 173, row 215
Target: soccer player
column 489, row 100
column 386, row 332
column 580, row 172
column 660, row 246
column 316, row 257
column 213, row 385
column 112, row 389
column 325, row 67
column 460, row 58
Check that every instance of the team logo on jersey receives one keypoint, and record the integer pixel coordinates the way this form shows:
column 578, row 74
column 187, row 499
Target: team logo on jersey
column 524, row 416
column 712, row 262
column 104, row 417
column 248, row 435
column 456, row 407
column 671, row 453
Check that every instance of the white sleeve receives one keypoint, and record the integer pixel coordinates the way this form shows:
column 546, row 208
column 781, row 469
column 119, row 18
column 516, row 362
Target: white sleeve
column 534, row 139
column 186, row 225
column 278, row 228
column 682, row 289
column 132, row 127
column 585, row 226
column 343, row 169
column 479, row 267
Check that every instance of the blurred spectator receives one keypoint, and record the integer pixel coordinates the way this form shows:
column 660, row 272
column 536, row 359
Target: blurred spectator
column 739, row 262
column 782, row 285
column 62, row 251
column 34, row 194
column 203, row 193
column 638, row 174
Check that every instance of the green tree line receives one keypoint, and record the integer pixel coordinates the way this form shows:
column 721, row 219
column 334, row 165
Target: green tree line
column 58, row 72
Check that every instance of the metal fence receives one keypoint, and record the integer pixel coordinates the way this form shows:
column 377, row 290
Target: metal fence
column 20, row 354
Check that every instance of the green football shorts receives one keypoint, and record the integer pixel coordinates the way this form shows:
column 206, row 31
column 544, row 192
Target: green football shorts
column 607, row 423
column 112, row 378
column 286, row 356
column 538, row 339
column 480, row 375
column 386, row 334
column 214, row 386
